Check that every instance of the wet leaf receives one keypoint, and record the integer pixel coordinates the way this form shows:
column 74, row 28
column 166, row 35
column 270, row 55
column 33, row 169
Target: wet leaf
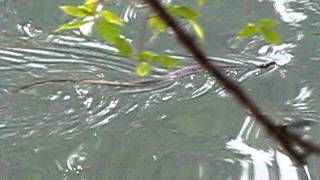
column 143, row 69
column 271, row 36
column 157, row 25
column 123, row 46
column 107, row 30
column 266, row 22
column 75, row 11
column 183, row 11
column 166, row 61
column 146, row 56
column 197, row 29
column 248, row 31
column 71, row 25
column 112, row 17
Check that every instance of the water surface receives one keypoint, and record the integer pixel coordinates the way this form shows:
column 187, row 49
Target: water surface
column 188, row 128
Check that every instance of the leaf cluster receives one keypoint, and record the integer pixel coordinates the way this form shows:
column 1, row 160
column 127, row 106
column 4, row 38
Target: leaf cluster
column 109, row 25
column 263, row 27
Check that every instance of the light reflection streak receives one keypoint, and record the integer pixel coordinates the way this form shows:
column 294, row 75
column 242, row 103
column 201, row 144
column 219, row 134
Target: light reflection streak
column 286, row 13
column 260, row 160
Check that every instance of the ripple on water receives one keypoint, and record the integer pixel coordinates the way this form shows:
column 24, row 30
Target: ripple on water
column 67, row 109
column 131, row 118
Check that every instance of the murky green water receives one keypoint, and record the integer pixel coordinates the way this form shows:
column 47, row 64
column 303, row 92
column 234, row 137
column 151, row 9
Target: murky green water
column 177, row 130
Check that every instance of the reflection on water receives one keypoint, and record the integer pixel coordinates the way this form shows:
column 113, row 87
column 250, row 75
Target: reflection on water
column 258, row 161
column 288, row 14
column 186, row 127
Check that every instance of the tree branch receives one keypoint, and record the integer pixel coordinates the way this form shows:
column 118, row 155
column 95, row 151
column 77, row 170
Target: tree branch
column 286, row 139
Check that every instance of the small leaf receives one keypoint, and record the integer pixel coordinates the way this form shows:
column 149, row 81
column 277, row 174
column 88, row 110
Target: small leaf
column 146, row 56
column 112, row 17
column 266, row 22
column 89, row 8
column 200, row 2
column 123, row 46
column 183, row 11
column 157, row 25
column 271, row 36
column 248, row 31
column 166, row 61
column 143, row 69
column 197, row 29
column 91, row 1
column 107, row 31
column 71, row 25
column 75, row 11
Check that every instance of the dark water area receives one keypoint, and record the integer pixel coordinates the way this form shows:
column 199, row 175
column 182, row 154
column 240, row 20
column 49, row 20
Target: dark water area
column 186, row 128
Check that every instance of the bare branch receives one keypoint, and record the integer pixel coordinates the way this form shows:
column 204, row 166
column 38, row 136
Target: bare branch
column 286, row 139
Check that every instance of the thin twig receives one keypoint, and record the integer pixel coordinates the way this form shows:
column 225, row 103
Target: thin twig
column 171, row 76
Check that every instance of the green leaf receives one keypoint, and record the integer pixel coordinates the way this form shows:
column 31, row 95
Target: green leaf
column 271, row 36
column 123, row 46
column 75, row 11
column 266, row 22
column 157, row 25
column 89, row 8
column 146, row 56
column 112, row 17
column 107, row 31
column 166, row 61
column 71, row 25
column 249, row 30
column 200, row 2
column 183, row 11
column 143, row 69
column 197, row 29
column 91, row 1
